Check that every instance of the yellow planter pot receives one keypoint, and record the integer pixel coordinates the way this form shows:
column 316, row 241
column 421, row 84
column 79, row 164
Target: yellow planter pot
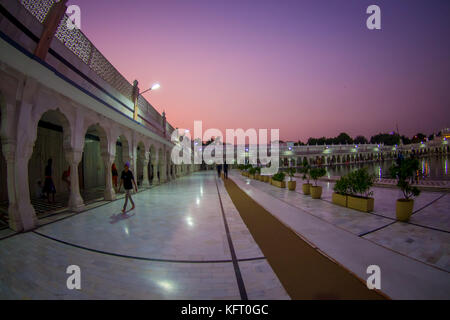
column 257, row 176
column 339, row 199
column 316, row 192
column 279, row 184
column 404, row 209
column 306, row 187
column 360, row 204
column 266, row 178
column 292, row 185
column 251, row 176
column 270, row 180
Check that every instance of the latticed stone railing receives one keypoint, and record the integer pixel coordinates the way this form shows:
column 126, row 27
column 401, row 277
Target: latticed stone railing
column 39, row 9
column 80, row 45
column 83, row 48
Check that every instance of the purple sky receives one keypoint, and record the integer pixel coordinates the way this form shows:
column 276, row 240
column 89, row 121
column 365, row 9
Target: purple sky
column 309, row 68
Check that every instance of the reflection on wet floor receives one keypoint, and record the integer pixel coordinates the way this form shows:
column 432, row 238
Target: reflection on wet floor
column 44, row 208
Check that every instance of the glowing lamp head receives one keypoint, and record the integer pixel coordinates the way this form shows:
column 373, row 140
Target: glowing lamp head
column 156, row 86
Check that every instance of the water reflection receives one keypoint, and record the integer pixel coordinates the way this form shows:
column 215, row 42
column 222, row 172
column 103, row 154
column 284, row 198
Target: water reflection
column 431, row 168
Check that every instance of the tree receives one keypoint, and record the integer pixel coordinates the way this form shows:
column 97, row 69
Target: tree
column 360, row 140
column 405, row 140
column 343, row 138
column 418, row 138
column 388, row 139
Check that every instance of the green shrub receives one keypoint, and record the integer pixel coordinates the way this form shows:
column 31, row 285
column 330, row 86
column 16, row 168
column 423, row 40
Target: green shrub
column 358, row 182
column 305, row 170
column 404, row 172
column 291, row 172
column 278, row 176
column 361, row 181
column 317, row 173
column 342, row 186
column 258, row 170
column 252, row 171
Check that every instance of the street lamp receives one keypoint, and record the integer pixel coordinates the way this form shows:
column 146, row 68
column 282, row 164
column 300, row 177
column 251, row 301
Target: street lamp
column 155, row 86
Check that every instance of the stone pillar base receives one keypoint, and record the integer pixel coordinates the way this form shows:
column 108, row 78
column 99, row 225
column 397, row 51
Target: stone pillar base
column 110, row 194
column 27, row 216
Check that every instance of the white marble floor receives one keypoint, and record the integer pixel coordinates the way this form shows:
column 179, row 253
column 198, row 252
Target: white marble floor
column 174, row 245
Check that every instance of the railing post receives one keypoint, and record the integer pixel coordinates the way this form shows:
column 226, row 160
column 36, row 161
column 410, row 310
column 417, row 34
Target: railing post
column 51, row 24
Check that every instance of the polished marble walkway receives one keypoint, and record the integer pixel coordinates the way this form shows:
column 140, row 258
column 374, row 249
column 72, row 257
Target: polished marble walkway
column 174, row 245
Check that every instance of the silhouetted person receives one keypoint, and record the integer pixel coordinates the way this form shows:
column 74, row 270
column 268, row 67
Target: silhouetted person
column 219, row 170
column 127, row 179
column 225, row 170
column 115, row 175
column 49, row 186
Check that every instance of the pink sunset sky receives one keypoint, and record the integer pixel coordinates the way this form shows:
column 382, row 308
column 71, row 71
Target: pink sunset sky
column 309, row 68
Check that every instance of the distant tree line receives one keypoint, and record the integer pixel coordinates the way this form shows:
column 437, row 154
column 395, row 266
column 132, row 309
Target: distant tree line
column 388, row 139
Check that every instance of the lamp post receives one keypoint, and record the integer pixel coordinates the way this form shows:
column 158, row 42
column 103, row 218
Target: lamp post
column 136, row 95
column 155, row 86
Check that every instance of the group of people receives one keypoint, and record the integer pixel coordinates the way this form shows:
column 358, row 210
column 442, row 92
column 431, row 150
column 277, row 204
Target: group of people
column 126, row 179
column 225, row 170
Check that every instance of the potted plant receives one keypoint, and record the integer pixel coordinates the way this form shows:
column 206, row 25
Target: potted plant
column 316, row 173
column 257, row 173
column 251, row 173
column 305, row 169
column 292, row 184
column 278, row 180
column 341, row 191
column 360, row 183
column 404, row 172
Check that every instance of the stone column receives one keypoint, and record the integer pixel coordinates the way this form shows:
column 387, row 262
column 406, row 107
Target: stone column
column 18, row 220
column 155, row 180
column 22, row 216
column 76, row 202
column 108, row 160
column 145, row 182
column 162, row 173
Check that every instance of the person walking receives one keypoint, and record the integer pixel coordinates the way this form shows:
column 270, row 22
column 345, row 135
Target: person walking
column 49, row 186
column 127, row 179
column 219, row 170
column 225, row 170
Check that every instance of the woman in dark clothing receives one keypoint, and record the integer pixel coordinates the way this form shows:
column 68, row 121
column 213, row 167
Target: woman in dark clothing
column 49, row 186
column 115, row 175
